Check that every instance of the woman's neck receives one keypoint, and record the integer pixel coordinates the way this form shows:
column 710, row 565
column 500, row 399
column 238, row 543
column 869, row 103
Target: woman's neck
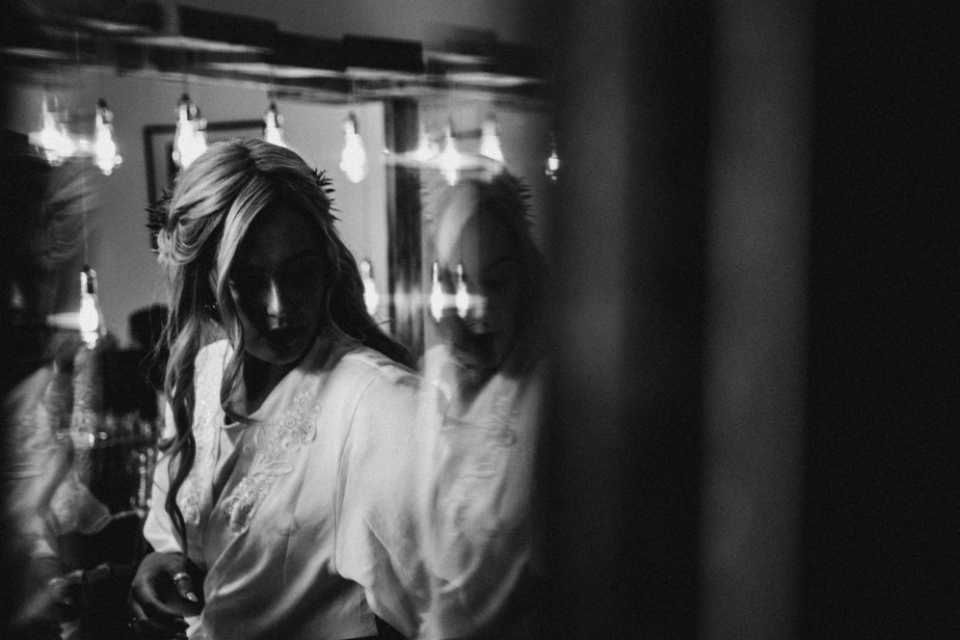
column 259, row 379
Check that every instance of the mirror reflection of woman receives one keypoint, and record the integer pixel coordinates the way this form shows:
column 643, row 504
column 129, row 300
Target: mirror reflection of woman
column 489, row 363
column 286, row 505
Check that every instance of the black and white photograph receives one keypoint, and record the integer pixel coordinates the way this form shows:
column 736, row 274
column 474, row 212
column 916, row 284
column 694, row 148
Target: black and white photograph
column 479, row 320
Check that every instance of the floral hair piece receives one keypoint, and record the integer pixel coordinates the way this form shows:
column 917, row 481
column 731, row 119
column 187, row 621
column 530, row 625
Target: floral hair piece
column 324, row 186
column 159, row 212
column 158, row 215
column 509, row 187
column 510, row 193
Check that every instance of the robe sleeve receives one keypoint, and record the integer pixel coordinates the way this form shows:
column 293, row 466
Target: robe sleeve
column 379, row 534
column 158, row 527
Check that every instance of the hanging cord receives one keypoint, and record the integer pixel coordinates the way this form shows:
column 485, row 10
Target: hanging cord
column 83, row 173
column 83, row 218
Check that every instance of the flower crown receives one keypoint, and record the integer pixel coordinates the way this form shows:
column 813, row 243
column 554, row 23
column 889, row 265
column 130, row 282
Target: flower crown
column 158, row 217
column 512, row 192
column 324, row 186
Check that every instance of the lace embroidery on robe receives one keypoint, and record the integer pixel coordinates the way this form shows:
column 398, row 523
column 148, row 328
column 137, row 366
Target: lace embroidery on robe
column 275, row 444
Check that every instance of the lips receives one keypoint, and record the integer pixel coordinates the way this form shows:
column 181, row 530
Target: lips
column 282, row 337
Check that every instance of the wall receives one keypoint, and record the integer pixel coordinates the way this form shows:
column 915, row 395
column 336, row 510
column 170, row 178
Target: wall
column 119, row 248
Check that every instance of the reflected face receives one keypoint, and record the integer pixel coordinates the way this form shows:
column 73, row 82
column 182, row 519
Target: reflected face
column 277, row 285
column 489, row 255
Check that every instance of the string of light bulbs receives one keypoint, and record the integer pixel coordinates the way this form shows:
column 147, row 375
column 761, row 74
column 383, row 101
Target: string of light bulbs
column 57, row 144
column 353, row 158
column 90, row 318
column 273, row 126
column 190, row 138
column 273, row 122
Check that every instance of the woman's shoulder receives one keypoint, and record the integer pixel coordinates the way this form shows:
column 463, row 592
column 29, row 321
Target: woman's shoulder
column 371, row 364
column 367, row 379
column 385, row 401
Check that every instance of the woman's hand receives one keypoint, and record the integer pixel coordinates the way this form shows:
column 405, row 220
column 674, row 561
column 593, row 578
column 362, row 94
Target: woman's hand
column 163, row 593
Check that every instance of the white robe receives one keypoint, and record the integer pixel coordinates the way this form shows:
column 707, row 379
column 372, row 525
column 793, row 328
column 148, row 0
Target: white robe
column 482, row 537
column 305, row 520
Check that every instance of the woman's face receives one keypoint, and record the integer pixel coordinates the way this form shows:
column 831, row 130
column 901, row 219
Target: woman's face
column 277, row 285
column 488, row 253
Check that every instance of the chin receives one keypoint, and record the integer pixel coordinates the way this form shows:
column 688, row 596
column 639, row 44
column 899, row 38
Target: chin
column 279, row 355
column 474, row 360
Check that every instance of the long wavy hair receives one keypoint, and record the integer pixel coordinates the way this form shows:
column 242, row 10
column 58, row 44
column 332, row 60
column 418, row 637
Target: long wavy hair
column 501, row 196
column 212, row 206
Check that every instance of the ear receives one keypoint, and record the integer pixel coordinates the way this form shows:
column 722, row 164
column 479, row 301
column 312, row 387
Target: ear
column 213, row 307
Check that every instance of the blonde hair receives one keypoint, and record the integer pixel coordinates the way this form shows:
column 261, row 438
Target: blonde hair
column 213, row 205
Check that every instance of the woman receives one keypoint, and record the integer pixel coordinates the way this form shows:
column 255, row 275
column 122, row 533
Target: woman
column 482, row 543
column 289, row 491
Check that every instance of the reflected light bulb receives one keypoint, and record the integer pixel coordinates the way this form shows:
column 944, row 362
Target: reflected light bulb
column 370, row 296
column 490, row 141
column 190, row 139
column 272, row 130
column 353, row 161
column 436, row 295
column 450, row 158
column 425, row 149
column 462, row 297
column 553, row 162
column 91, row 320
column 105, row 152
column 52, row 138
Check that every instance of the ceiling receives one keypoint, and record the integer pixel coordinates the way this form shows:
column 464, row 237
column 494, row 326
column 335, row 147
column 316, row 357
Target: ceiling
column 143, row 37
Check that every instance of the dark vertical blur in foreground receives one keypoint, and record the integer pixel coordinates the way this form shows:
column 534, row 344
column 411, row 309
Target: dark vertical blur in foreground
column 753, row 422
column 624, row 428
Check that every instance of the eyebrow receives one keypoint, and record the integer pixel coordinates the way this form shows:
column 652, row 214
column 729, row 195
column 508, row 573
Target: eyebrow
column 306, row 253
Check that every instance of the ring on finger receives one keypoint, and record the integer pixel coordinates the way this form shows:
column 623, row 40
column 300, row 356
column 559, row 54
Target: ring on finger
column 181, row 576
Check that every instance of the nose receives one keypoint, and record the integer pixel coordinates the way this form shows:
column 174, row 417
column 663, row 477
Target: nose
column 276, row 305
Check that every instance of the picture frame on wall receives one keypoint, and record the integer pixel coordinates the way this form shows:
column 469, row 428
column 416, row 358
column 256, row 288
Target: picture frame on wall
column 158, row 150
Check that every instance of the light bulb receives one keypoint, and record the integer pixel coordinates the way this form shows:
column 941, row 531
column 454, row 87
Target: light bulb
column 104, row 147
column 553, row 162
column 490, row 141
column 370, row 295
column 450, row 159
column 353, row 161
column 462, row 297
column 52, row 138
column 425, row 149
column 436, row 295
column 190, row 139
column 272, row 131
column 91, row 320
